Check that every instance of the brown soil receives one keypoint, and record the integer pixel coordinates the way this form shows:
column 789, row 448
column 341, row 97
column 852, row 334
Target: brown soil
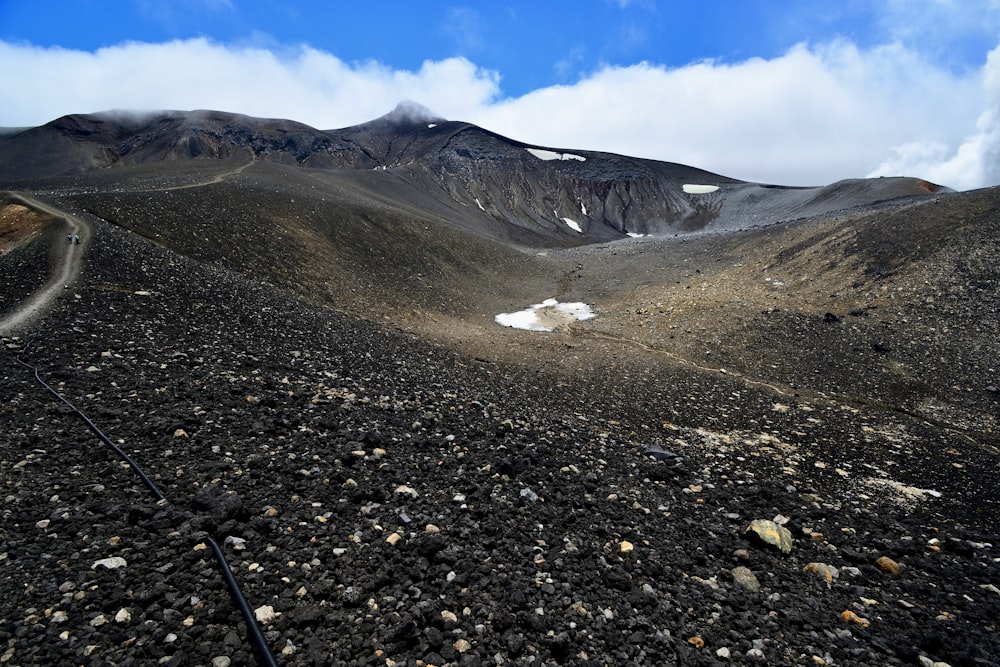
column 19, row 223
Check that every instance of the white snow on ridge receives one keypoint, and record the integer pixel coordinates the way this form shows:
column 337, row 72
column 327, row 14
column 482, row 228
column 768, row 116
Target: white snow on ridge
column 479, row 204
column 635, row 235
column 431, row 126
column 695, row 189
column 573, row 224
column 552, row 155
column 545, row 316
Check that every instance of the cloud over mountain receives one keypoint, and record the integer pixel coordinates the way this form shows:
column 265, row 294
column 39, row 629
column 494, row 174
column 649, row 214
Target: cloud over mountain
column 814, row 114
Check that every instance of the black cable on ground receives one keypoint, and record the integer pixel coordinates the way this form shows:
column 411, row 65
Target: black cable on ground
column 260, row 645
column 86, row 420
column 264, row 654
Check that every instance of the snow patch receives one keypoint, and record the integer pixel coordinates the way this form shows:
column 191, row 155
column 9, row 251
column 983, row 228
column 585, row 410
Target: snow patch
column 479, row 204
column 635, row 235
column 583, row 208
column 545, row 316
column 695, row 189
column 573, row 224
column 431, row 126
column 542, row 154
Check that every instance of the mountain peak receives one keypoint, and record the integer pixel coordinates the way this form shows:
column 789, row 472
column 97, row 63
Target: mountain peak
column 409, row 111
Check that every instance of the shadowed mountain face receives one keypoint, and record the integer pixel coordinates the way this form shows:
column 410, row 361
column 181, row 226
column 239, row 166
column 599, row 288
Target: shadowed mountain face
column 484, row 182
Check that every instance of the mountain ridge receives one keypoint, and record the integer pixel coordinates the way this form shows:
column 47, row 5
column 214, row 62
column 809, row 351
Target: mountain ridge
column 560, row 197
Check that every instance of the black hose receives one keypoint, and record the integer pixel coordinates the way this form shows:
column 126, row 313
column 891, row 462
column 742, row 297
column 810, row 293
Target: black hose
column 260, row 645
column 86, row 420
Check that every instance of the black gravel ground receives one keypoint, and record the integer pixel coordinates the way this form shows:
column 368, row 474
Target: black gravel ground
column 396, row 503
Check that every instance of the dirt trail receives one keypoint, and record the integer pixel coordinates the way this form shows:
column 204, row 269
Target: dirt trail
column 63, row 275
column 69, row 267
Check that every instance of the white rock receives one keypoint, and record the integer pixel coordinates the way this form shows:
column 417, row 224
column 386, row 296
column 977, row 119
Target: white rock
column 123, row 616
column 266, row 614
column 238, row 543
column 112, row 563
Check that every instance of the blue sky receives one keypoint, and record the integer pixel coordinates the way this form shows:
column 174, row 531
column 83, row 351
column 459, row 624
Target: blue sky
column 799, row 92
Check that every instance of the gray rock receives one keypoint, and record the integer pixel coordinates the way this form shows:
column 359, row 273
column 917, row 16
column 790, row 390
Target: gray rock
column 745, row 578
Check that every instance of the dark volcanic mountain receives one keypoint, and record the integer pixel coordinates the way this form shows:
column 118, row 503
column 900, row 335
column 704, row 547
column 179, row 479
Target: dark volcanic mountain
column 540, row 196
column 293, row 332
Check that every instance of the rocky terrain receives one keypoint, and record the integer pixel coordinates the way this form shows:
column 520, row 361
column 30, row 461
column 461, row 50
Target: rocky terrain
column 305, row 362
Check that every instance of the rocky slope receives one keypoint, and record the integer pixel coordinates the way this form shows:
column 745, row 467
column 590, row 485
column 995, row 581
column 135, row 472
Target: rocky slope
column 305, row 362
column 394, row 502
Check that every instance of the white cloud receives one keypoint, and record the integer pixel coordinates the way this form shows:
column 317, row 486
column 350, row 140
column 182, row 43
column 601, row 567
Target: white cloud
column 974, row 161
column 300, row 83
column 811, row 116
column 816, row 114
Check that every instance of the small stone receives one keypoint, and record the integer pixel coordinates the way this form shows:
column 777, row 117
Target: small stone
column 696, row 641
column 851, row 617
column 406, row 491
column 449, row 616
column 180, row 434
column 301, row 593
column 265, row 614
column 394, row 539
column 238, row 543
column 221, row 661
column 112, row 563
column 723, row 653
column 745, row 578
column 378, row 452
column 770, row 533
column 626, row 547
column 431, row 529
column 44, row 523
column 822, row 569
column 461, row 645
column 887, row 564
column 123, row 616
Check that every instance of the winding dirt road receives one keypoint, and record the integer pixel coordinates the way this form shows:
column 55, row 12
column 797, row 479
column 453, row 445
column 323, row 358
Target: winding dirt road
column 62, row 277
column 66, row 272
